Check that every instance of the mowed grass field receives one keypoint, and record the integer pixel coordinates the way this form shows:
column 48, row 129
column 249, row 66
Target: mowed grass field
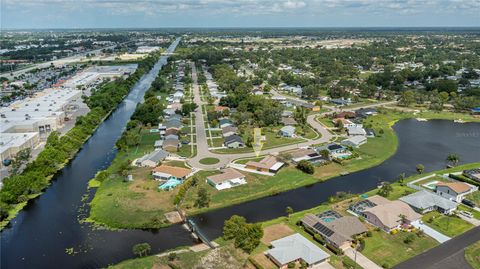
column 472, row 255
column 386, row 249
column 448, row 225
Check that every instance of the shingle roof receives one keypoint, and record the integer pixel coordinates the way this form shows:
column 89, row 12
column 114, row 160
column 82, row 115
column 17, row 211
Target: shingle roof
column 343, row 228
column 226, row 175
column 265, row 163
column 425, row 199
column 389, row 213
column 178, row 172
column 296, row 247
column 458, row 187
column 233, row 138
column 154, row 156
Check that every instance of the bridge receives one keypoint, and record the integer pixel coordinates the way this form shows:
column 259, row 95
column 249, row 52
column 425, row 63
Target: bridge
column 196, row 230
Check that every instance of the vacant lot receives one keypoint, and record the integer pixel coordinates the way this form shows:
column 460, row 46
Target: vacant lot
column 275, row 232
column 448, row 225
column 386, row 249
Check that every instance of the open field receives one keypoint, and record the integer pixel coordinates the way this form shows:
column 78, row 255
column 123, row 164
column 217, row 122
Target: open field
column 448, row 225
column 472, row 255
column 388, row 250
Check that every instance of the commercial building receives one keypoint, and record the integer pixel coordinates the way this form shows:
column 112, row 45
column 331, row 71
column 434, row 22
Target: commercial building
column 12, row 143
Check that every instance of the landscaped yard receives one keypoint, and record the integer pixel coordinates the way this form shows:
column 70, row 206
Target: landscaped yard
column 448, row 225
column 474, row 197
column 472, row 255
column 389, row 250
column 209, row 161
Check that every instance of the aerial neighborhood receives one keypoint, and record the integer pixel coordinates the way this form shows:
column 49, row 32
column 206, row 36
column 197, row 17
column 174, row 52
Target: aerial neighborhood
column 246, row 149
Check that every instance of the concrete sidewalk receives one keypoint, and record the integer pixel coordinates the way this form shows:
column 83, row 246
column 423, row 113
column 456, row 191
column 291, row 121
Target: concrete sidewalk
column 363, row 261
column 441, row 238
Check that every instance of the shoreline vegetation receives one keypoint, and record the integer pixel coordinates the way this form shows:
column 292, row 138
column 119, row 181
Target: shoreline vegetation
column 61, row 149
column 374, row 248
column 375, row 152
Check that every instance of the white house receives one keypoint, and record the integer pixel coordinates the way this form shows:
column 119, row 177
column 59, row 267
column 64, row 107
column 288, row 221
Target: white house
column 287, row 131
column 355, row 141
column 227, row 179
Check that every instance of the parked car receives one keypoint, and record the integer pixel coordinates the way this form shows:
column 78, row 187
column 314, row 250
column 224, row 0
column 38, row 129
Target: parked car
column 468, row 202
column 466, row 214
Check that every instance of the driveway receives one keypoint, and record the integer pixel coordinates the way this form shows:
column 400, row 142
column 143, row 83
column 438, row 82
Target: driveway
column 363, row 261
column 441, row 238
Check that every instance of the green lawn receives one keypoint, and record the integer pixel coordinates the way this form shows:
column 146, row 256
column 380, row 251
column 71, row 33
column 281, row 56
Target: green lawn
column 209, row 161
column 472, row 255
column 389, row 250
column 448, row 225
column 474, row 197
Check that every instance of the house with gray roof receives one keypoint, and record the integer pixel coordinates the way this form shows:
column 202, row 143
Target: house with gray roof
column 287, row 131
column 234, row 141
column 151, row 159
column 425, row 201
column 296, row 248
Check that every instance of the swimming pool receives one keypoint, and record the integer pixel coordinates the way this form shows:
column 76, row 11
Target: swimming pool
column 170, row 184
column 431, row 185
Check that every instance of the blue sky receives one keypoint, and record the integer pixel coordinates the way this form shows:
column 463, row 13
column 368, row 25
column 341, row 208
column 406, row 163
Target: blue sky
column 235, row 13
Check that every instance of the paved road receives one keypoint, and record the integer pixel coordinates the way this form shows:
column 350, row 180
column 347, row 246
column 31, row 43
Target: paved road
column 62, row 61
column 202, row 143
column 225, row 159
column 445, row 256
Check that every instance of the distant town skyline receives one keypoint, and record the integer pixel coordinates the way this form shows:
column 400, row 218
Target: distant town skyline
column 23, row 14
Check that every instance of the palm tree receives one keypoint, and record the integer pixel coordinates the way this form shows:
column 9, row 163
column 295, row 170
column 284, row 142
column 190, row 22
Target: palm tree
column 453, row 159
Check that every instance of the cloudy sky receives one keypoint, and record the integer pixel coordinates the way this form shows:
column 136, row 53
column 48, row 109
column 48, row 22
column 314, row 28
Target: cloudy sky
column 237, row 13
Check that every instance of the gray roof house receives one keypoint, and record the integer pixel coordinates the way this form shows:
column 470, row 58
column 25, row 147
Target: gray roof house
column 151, row 159
column 354, row 141
column 354, row 130
column 338, row 232
column 287, row 131
column 234, row 141
column 229, row 130
column 293, row 248
column 425, row 201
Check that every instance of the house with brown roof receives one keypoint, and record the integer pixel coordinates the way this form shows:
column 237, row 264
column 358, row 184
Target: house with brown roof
column 455, row 191
column 229, row 178
column 171, row 144
column 166, row 172
column 390, row 215
column 268, row 164
column 287, row 121
column 221, row 108
column 338, row 232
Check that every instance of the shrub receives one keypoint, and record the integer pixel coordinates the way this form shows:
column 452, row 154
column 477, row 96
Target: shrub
column 369, row 234
column 306, row 167
column 172, row 256
column 291, row 265
column 409, row 239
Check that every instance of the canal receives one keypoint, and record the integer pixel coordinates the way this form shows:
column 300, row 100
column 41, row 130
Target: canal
column 40, row 235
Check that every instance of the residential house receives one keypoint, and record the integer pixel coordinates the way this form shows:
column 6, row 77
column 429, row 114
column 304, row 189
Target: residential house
column 287, row 113
column 365, row 112
column 338, row 232
column 151, row 159
column 296, row 248
column 166, row 172
column 307, row 155
column 425, row 201
column 229, row 130
column 234, row 141
column 158, row 144
column 354, row 141
column 345, row 115
column 390, row 215
column 221, row 108
column 344, row 122
column 288, row 121
column 267, row 164
column 171, row 136
column 171, row 145
column 168, row 112
column 341, row 102
column 287, row 131
column 229, row 178
column 355, row 129
column 455, row 191
column 225, row 123
column 335, row 150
